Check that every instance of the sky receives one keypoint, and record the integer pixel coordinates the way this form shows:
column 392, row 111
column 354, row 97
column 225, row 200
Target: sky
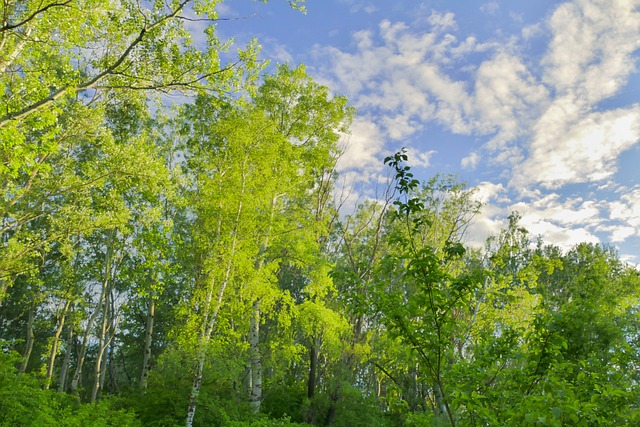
column 534, row 103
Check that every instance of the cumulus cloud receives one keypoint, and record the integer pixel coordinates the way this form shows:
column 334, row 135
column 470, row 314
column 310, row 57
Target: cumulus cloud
column 362, row 148
column 419, row 158
column 357, row 6
column 561, row 221
column 442, row 21
column 544, row 113
column 589, row 59
column 470, row 161
column 490, row 8
column 542, row 117
column 565, row 150
column 489, row 192
column 627, row 209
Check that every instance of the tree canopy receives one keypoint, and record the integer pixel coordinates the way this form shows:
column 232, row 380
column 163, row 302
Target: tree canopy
column 187, row 263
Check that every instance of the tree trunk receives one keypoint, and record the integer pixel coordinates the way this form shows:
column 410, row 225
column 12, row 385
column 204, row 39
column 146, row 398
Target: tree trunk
column 103, row 371
column 30, row 340
column 108, row 332
column 54, row 345
column 148, row 339
column 101, row 350
column 256, row 361
column 255, row 398
column 101, row 300
column 210, row 316
column 64, row 370
column 313, row 367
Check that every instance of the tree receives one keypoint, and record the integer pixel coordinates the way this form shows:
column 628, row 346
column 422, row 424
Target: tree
column 251, row 170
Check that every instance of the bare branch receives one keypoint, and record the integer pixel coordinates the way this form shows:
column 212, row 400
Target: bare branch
column 184, row 18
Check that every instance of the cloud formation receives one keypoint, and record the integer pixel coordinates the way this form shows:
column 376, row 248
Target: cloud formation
column 536, row 115
column 543, row 117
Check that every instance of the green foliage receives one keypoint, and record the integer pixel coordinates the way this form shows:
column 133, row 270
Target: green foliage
column 24, row 403
column 184, row 256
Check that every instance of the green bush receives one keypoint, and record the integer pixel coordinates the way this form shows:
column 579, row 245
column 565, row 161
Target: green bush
column 23, row 402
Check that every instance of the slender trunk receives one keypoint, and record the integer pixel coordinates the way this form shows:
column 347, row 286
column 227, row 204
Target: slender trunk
column 30, row 340
column 255, row 397
column 441, row 405
column 313, row 366
column 82, row 354
column 17, row 50
column 3, row 290
column 210, row 316
column 101, row 350
column 204, row 343
column 64, row 370
column 83, row 348
column 103, row 371
column 333, row 406
column 256, row 361
column 54, row 345
column 106, row 338
column 148, row 339
column 103, row 295
column 113, row 378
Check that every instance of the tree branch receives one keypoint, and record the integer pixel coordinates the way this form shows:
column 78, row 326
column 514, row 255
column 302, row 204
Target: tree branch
column 17, row 115
column 28, row 19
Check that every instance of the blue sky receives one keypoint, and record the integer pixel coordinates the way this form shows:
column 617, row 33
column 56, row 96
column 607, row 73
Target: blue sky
column 536, row 103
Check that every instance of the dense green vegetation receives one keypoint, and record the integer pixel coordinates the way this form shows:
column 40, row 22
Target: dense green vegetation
column 163, row 265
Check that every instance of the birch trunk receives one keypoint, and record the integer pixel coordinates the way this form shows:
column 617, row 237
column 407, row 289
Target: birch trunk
column 17, row 50
column 54, row 345
column 101, row 349
column 64, row 370
column 85, row 339
column 313, row 367
column 103, row 371
column 108, row 332
column 30, row 340
column 204, row 343
column 256, row 360
column 210, row 316
column 255, row 397
column 148, row 339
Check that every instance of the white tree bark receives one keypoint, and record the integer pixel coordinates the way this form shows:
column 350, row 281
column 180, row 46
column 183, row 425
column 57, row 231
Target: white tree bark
column 210, row 316
column 30, row 340
column 55, row 343
column 64, row 370
column 148, row 340
column 256, row 360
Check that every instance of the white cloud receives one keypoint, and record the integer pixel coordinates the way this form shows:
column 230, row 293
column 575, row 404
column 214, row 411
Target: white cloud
column 358, row 5
column 591, row 47
column 470, row 161
column 620, row 234
column 363, row 149
column 490, row 8
column 569, row 151
column 627, row 209
column 543, row 117
column 589, row 59
column 442, row 21
column 563, row 223
column 507, row 97
column 419, row 158
column 281, row 54
column 489, row 192
column 531, row 31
